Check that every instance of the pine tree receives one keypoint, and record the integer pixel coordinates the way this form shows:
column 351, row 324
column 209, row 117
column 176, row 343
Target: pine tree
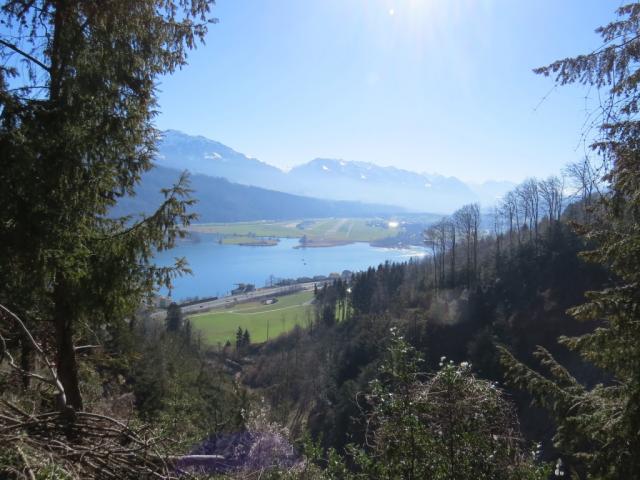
column 77, row 100
column 173, row 321
column 246, row 338
column 239, row 339
column 599, row 427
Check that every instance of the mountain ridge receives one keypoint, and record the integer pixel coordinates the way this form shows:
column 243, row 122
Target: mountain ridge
column 219, row 200
column 327, row 178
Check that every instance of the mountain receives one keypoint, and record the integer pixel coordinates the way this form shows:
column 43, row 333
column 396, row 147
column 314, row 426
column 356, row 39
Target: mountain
column 327, row 178
column 220, row 200
column 369, row 183
column 201, row 155
column 489, row 192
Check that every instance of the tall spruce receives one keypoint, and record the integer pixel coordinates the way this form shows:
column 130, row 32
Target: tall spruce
column 174, row 320
column 599, row 426
column 77, row 100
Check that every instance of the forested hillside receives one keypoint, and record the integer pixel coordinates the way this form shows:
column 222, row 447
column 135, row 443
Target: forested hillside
column 477, row 291
column 222, row 201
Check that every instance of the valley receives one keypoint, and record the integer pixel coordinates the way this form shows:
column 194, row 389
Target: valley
column 263, row 321
column 217, row 267
column 432, row 271
column 325, row 232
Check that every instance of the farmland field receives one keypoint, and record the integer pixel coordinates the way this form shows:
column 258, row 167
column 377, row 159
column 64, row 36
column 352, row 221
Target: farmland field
column 218, row 326
column 249, row 241
column 319, row 232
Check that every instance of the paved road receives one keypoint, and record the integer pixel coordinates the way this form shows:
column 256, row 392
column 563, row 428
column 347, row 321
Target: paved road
column 245, row 297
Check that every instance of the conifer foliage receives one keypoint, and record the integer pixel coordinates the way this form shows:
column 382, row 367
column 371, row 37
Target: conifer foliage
column 599, row 427
column 77, row 101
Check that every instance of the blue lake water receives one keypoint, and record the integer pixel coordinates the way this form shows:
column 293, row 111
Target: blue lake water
column 216, row 268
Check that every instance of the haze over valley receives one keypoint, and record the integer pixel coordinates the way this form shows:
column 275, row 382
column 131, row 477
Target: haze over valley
column 329, row 179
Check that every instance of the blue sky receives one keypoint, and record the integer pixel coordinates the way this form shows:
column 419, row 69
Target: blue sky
column 437, row 86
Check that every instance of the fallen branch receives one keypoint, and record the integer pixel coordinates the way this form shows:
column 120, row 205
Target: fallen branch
column 27, row 466
column 96, row 446
column 55, row 381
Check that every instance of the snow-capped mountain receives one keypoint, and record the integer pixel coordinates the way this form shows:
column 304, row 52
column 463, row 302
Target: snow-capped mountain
column 368, row 182
column 208, row 157
column 327, row 178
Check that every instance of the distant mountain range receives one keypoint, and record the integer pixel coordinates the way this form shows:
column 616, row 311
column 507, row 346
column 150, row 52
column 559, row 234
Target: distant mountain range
column 222, row 201
column 331, row 179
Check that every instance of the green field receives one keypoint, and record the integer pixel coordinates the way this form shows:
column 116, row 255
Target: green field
column 218, row 326
column 247, row 240
column 318, row 232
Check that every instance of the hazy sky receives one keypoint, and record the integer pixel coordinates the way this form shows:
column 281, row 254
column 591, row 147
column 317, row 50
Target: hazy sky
column 437, row 86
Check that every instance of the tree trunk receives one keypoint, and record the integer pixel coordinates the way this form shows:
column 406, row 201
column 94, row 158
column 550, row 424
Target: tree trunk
column 66, row 363
column 26, row 358
column 468, row 259
column 475, row 254
column 453, row 257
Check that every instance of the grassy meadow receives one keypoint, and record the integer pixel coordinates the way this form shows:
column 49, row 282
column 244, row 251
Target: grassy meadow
column 318, row 232
column 220, row 325
column 247, row 240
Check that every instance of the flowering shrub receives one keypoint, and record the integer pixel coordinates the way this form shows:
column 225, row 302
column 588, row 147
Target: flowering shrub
column 444, row 425
column 263, row 446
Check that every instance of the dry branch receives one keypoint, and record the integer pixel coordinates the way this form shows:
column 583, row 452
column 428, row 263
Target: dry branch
column 55, row 381
column 95, row 446
column 87, row 445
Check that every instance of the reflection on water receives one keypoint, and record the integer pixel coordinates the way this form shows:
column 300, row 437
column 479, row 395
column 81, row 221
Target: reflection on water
column 216, row 268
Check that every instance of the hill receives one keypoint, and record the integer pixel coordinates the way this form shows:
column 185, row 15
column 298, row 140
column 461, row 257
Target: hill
column 220, row 200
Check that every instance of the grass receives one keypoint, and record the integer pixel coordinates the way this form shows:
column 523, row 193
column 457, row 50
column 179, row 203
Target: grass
column 247, row 240
column 320, row 231
column 218, row 326
column 259, row 229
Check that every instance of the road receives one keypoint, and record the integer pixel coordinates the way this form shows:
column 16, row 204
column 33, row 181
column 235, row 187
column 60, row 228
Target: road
column 242, row 298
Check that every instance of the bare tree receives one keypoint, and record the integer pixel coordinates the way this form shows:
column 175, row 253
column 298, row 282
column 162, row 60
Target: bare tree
column 467, row 220
column 432, row 240
column 451, row 228
column 584, row 177
column 498, row 226
column 530, row 197
column 475, row 223
column 441, row 235
column 513, row 205
column 509, row 208
column 524, row 209
column 551, row 193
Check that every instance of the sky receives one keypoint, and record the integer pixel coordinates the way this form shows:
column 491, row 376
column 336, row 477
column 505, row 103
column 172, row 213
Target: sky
column 434, row 86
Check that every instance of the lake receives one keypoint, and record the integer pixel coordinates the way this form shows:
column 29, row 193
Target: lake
column 216, row 268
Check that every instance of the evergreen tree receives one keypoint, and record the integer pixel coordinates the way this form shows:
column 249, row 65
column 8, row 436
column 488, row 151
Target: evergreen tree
column 239, row 339
column 246, row 338
column 173, row 321
column 599, row 427
column 77, row 100
column 447, row 425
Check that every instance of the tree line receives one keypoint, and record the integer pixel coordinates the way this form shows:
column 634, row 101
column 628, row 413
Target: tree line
column 521, row 215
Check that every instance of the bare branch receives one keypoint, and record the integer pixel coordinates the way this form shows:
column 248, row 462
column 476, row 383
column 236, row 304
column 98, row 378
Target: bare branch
column 29, row 57
column 55, row 381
